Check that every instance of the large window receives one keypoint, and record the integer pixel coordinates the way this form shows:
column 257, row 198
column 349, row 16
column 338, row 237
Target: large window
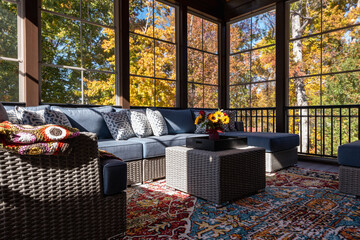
column 252, row 61
column 324, row 52
column 78, row 52
column 153, row 44
column 203, row 63
column 10, row 50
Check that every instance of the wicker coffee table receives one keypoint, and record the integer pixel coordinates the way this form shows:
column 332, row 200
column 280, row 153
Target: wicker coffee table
column 216, row 176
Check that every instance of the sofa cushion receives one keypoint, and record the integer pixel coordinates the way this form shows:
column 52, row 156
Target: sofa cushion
column 154, row 146
column 119, row 125
column 178, row 121
column 139, row 123
column 3, row 114
column 349, row 154
column 88, row 119
column 114, row 176
column 157, row 122
column 272, row 142
column 124, row 149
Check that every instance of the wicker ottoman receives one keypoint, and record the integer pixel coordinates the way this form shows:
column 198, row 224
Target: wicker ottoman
column 216, row 176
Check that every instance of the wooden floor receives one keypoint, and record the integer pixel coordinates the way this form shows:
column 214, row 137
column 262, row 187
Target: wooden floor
column 318, row 166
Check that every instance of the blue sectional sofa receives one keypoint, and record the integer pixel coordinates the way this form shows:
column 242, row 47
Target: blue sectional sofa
column 145, row 157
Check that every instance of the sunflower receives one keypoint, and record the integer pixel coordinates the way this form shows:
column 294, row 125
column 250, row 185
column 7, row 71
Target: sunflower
column 212, row 117
column 197, row 120
column 218, row 114
column 225, row 119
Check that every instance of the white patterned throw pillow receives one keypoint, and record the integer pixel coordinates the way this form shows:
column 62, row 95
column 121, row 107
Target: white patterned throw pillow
column 140, row 124
column 27, row 117
column 56, row 117
column 119, row 125
column 157, row 122
column 12, row 116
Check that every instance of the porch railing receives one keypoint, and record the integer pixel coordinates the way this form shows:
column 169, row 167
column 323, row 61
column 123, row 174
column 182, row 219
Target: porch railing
column 321, row 128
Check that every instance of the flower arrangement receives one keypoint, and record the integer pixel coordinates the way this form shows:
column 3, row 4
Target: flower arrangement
column 213, row 122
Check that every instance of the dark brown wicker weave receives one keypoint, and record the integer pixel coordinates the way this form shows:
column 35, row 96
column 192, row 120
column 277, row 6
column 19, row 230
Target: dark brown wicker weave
column 216, row 176
column 349, row 178
column 58, row 197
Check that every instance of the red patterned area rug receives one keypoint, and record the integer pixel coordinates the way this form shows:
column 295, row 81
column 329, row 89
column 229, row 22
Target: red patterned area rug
column 296, row 204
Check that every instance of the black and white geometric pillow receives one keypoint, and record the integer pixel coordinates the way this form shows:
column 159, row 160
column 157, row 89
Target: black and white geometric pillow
column 157, row 122
column 232, row 116
column 12, row 117
column 56, row 117
column 226, row 127
column 140, row 124
column 33, row 118
column 119, row 125
column 199, row 129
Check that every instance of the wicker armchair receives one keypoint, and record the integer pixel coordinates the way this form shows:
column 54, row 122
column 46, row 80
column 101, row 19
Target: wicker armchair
column 58, row 197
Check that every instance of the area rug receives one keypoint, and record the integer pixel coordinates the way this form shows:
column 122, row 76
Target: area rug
column 296, row 204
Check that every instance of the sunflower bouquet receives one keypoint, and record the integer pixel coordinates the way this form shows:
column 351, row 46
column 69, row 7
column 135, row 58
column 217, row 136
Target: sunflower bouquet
column 213, row 122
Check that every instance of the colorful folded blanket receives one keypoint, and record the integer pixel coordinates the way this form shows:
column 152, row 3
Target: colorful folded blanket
column 36, row 140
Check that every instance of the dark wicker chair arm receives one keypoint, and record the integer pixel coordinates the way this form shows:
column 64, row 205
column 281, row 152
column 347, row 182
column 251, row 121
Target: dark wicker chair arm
column 58, row 197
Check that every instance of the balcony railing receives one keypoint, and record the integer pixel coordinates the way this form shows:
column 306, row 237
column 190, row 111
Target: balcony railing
column 322, row 129
column 257, row 119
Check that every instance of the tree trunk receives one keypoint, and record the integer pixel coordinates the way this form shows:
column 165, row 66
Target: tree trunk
column 301, row 100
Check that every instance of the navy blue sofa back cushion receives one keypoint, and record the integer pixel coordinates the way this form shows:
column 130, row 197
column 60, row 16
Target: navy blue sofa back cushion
column 178, row 121
column 88, row 119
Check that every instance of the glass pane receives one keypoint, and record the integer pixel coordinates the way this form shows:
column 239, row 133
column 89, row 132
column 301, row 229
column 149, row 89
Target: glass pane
column 141, row 56
column 195, row 95
column 341, row 89
column 210, row 37
column 99, row 11
column 263, row 29
column 9, row 81
column 165, row 62
column 263, row 94
column 240, row 35
column 305, row 18
column 305, row 57
column 165, row 93
column 60, row 85
column 239, row 68
column 98, row 48
column 141, row 17
column 263, row 63
column 8, row 33
column 304, row 91
column 211, row 97
column 164, row 22
column 71, row 8
column 341, row 50
column 99, row 88
column 239, row 96
column 195, row 66
column 337, row 14
column 142, row 92
column 60, row 40
column 195, row 29
column 211, row 74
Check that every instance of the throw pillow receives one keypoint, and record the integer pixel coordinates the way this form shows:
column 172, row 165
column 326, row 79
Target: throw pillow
column 12, row 117
column 157, row 122
column 232, row 118
column 3, row 114
column 119, row 125
column 33, row 118
column 140, row 124
column 56, row 117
